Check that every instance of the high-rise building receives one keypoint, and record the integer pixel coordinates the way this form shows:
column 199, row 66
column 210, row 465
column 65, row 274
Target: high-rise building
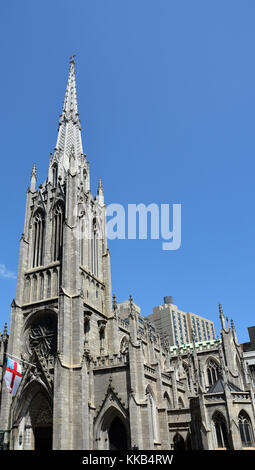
column 180, row 327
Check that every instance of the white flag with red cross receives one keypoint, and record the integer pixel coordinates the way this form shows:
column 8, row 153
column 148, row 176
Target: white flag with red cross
column 13, row 376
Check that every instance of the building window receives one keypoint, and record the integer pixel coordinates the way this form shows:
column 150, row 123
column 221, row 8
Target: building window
column 86, row 330
column 204, row 332
column 185, row 329
column 186, row 369
column 220, row 431
column 54, row 175
column 175, row 328
column 94, row 249
column 208, row 331
column 212, row 330
column 38, row 239
column 213, row 372
column 194, row 329
column 82, row 236
column 245, row 430
column 167, row 401
column 180, row 328
column 58, row 232
column 198, row 329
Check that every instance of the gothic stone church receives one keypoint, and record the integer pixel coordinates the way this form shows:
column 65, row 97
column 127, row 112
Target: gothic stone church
column 91, row 379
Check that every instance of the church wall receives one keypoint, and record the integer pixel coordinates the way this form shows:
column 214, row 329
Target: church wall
column 117, row 378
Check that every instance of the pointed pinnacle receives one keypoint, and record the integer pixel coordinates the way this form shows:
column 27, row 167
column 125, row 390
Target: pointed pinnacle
column 100, row 186
column 34, row 169
column 33, row 178
column 220, row 309
column 232, row 324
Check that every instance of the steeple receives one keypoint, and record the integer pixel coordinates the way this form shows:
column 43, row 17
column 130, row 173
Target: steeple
column 69, row 130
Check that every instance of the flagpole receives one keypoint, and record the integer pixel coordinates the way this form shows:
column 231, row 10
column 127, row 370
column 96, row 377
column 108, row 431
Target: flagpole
column 19, row 359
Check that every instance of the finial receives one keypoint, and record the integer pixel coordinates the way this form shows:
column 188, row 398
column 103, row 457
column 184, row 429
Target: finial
column 34, row 170
column 33, row 178
column 100, row 192
column 234, row 331
column 232, row 324
column 100, row 186
column 222, row 318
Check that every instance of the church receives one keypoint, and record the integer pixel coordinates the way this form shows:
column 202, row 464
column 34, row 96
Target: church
column 92, row 379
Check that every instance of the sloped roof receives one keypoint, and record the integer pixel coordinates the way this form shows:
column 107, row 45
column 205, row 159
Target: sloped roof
column 218, row 387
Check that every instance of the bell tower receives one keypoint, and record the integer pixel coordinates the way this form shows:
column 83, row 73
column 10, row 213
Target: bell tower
column 60, row 315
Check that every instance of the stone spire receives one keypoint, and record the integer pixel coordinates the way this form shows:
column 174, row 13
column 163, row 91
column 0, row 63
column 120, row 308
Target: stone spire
column 233, row 330
column 222, row 318
column 33, row 179
column 69, row 130
column 100, row 192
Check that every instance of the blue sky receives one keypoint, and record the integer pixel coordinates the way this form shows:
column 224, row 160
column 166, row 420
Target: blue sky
column 166, row 95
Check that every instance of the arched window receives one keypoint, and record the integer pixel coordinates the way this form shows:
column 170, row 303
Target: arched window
column 245, row 429
column 54, row 175
column 167, row 401
column 82, row 240
column 55, row 283
column 58, row 231
column 38, row 239
column 27, row 289
column 94, row 249
column 186, row 369
column 34, row 287
column 220, row 431
column 101, row 335
column 124, row 345
column 179, row 443
column 86, row 330
column 213, row 372
column 48, row 275
column 41, row 288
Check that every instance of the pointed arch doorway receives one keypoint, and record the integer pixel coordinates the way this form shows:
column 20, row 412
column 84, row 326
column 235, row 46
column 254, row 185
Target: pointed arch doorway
column 42, row 423
column 33, row 419
column 117, row 435
column 112, row 430
column 43, row 438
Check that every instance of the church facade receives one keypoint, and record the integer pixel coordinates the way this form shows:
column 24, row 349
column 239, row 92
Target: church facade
column 91, row 379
